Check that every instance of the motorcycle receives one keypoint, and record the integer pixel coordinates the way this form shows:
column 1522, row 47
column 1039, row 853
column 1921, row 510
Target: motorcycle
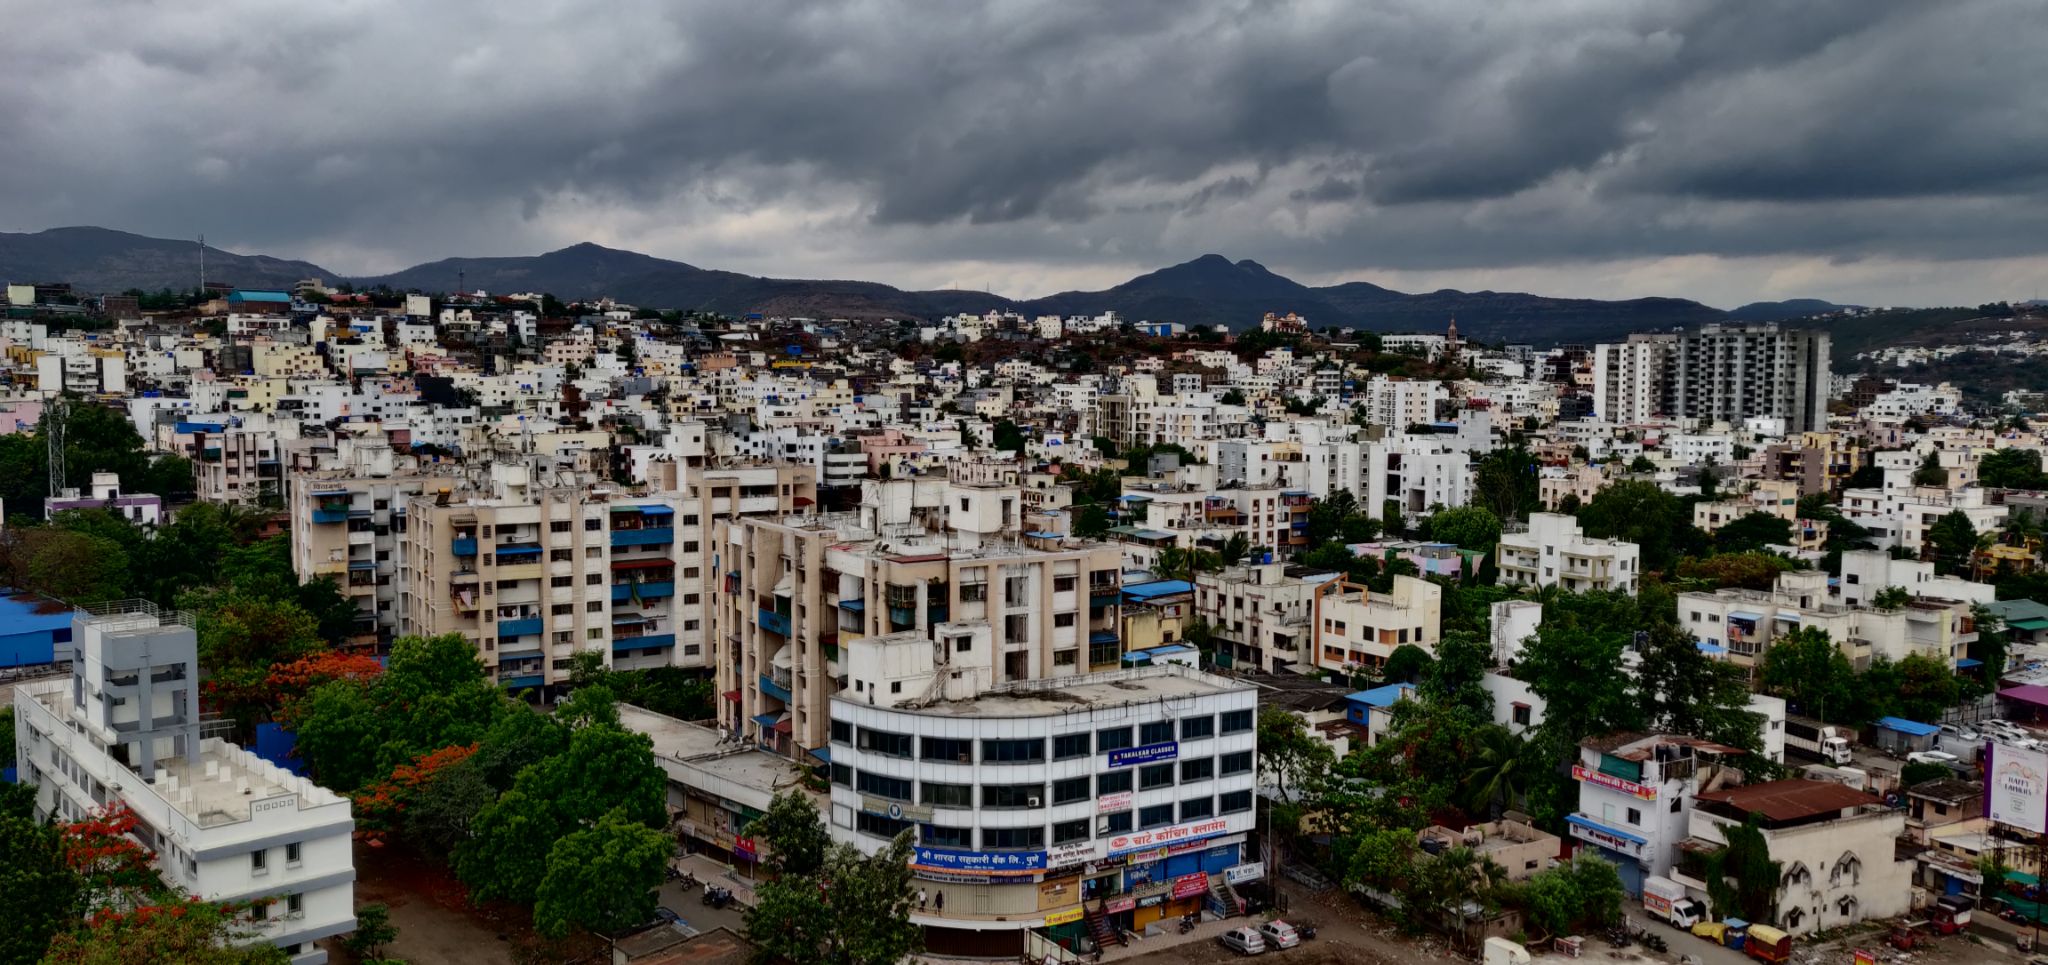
column 1187, row 924
column 717, row 897
column 1307, row 931
column 686, row 880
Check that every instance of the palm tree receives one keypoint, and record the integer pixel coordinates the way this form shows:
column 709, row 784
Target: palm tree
column 1496, row 778
column 1236, row 549
column 1173, row 563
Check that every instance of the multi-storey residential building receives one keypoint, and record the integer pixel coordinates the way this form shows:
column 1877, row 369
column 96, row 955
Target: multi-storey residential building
column 1273, row 518
column 1259, row 614
column 1122, row 796
column 351, row 527
column 1748, row 622
column 1833, row 842
column 1398, row 403
column 1721, row 373
column 239, row 465
column 1356, row 629
column 223, row 824
column 1412, row 473
column 793, row 590
column 1552, row 550
column 142, row 509
column 1636, row 797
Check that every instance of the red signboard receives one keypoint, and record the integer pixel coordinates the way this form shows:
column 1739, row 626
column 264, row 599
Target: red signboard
column 1188, row 886
column 1644, row 791
column 1114, row 905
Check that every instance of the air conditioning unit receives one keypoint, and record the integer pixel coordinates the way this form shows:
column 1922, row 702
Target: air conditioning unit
column 1031, row 801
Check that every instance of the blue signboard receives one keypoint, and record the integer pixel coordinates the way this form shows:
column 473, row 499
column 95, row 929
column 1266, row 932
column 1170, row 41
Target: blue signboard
column 943, row 859
column 1127, row 756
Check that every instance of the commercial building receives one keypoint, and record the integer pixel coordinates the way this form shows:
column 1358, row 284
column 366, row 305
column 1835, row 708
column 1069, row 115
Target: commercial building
column 1636, row 796
column 1552, row 550
column 1122, row 796
column 223, row 824
column 1834, row 843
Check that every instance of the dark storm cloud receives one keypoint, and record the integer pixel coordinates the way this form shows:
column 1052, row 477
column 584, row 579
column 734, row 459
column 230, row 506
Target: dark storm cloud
column 790, row 135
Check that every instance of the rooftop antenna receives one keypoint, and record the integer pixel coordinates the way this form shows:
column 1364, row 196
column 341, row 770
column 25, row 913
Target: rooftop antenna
column 57, row 418
column 202, row 264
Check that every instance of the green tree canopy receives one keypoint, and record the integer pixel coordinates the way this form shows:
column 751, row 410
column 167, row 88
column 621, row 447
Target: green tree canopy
column 1642, row 513
column 1470, row 527
column 602, row 877
column 1812, row 674
column 847, row 909
column 1753, row 531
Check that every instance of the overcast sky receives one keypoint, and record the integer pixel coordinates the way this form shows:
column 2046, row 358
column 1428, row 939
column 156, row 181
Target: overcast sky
column 1873, row 151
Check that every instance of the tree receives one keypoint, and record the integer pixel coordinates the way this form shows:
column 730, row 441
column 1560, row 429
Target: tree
column 1578, row 674
column 1753, row 531
column 1753, row 570
column 1927, row 688
column 830, row 904
column 1457, row 677
column 1231, row 397
column 1892, row 598
column 1469, row 527
column 37, row 887
column 187, row 932
column 1809, row 671
column 602, row 878
column 1407, row 664
column 2013, row 468
column 1495, row 779
column 1091, row 522
column 1641, row 463
column 1930, row 472
column 1288, row 754
column 1921, row 773
column 1683, row 691
column 1953, row 538
column 1641, row 513
column 373, row 931
column 1742, row 880
column 1235, row 550
column 1504, row 483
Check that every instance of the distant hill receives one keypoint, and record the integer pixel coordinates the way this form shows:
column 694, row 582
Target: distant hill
column 1786, row 310
column 1210, row 290
column 101, row 260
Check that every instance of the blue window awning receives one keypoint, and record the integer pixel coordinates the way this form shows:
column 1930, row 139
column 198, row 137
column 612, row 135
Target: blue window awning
column 362, row 564
column 856, row 604
column 1710, row 648
column 1744, row 615
column 1968, row 663
column 657, row 511
column 821, row 753
column 765, row 720
column 1592, row 825
column 1102, row 636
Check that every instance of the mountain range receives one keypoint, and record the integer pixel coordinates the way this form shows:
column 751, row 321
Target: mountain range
column 1209, row 290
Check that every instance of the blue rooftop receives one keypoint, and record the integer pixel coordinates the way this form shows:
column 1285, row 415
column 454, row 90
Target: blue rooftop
column 1158, row 588
column 1904, row 726
column 1380, row 696
column 258, row 295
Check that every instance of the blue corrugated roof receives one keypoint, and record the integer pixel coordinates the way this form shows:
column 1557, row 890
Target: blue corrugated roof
column 1380, row 696
column 1146, row 591
column 1904, row 726
column 1967, row 663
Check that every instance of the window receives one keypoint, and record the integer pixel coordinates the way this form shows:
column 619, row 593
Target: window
column 1012, row 839
column 1197, row 728
column 589, row 525
column 259, row 861
column 1112, row 783
column 1236, row 801
column 1196, row 808
column 885, row 743
column 1155, row 775
column 558, row 526
column 893, row 788
column 1635, row 816
column 1156, row 816
column 879, row 825
column 594, row 606
column 1012, row 795
column 1068, row 832
column 1069, row 746
column 1063, row 619
column 1522, row 715
column 1013, row 751
column 947, row 795
column 1197, row 769
column 1070, row 790
column 561, row 581
column 1237, row 721
column 842, row 775
column 842, row 732
column 940, row 836
column 1064, row 584
column 594, row 579
column 1116, row 823
column 973, row 592
column 291, row 853
column 562, row 609
column 1112, row 739
column 957, row 749
column 595, row 633
column 293, row 904
column 560, row 556
column 1238, row 763
column 1156, row 732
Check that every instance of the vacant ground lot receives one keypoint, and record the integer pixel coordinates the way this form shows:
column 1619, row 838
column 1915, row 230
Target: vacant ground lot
column 437, row 925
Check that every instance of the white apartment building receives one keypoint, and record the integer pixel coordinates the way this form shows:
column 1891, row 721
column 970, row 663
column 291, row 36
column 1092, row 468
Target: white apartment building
column 1866, row 573
column 223, row 824
column 1902, row 515
column 1356, row 629
column 350, row 526
column 1415, row 472
column 1721, row 373
column 1124, row 795
column 1552, row 550
column 1748, row 622
column 1636, row 798
column 1398, row 403
column 1834, row 843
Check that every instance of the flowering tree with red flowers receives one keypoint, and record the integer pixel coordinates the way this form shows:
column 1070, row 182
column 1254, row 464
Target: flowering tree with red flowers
column 186, row 931
column 381, row 806
column 112, row 869
column 288, row 683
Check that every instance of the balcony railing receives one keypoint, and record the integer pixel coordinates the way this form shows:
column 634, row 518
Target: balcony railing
column 774, row 622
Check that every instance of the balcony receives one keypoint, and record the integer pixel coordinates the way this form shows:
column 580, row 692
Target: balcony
column 521, row 681
column 649, row 536
column 1099, row 597
column 525, row 626
column 937, row 613
column 324, row 515
column 903, row 616
column 644, row 641
column 518, row 552
column 463, row 546
column 772, row 689
column 519, row 571
column 647, row 590
column 774, row 622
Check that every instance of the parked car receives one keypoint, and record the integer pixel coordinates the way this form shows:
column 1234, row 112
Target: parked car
column 1954, row 732
column 1244, row 941
column 1279, row 934
column 1931, row 757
